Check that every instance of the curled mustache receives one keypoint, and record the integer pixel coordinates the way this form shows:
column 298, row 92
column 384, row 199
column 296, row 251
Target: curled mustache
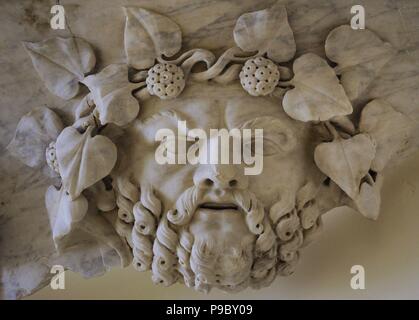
column 189, row 201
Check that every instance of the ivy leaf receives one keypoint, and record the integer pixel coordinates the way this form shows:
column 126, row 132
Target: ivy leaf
column 149, row 35
column 266, row 31
column 63, row 212
column 104, row 198
column 34, row 132
column 85, row 107
column 369, row 199
column 83, row 160
column 389, row 128
column 62, row 63
column 111, row 92
column 317, row 95
column 360, row 55
column 346, row 162
column 67, row 215
column 98, row 228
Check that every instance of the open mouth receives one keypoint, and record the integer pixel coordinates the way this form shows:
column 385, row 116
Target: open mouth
column 218, row 206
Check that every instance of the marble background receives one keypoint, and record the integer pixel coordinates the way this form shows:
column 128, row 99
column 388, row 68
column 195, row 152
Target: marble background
column 389, row 246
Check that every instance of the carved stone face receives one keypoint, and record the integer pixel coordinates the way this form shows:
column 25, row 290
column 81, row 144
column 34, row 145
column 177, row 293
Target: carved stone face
column 211, row 203
column 286, row 143
column 211, row 225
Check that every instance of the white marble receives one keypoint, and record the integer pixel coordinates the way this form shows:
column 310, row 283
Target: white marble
column 27, row 244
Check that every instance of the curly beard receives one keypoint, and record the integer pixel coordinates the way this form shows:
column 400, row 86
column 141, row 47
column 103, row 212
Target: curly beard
column 221, row 257
column 247, row 248
column 182, row 248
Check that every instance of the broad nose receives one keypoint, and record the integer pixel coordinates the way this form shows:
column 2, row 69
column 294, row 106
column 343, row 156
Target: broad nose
column 220, row 176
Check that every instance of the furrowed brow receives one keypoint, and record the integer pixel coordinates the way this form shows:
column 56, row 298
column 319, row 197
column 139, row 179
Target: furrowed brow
column 162, row 115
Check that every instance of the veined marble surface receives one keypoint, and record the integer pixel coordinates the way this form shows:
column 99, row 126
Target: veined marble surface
column 26, row 247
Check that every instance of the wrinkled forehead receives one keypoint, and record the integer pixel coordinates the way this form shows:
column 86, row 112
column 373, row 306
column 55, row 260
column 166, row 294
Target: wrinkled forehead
column 209, row 106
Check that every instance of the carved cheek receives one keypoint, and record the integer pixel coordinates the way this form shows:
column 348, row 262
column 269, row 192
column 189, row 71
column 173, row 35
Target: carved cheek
column 265, row 193
column 281, row 171
column 171, row 180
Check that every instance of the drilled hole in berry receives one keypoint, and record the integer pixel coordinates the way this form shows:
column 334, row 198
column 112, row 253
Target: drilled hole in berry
column 233, row 183
column 208, row 182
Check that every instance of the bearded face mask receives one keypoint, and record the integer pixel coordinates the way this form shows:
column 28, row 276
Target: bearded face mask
column 212, row 171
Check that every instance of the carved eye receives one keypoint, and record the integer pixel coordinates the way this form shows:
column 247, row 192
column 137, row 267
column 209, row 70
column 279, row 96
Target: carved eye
column 175, row 146
column 278, row 138
column 261, row 146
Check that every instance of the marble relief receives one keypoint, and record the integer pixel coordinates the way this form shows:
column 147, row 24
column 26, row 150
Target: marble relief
column 209, row 225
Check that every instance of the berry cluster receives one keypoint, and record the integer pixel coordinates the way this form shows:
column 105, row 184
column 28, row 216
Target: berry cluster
column 259, row 76
column 51, row 157
column 165, row 80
